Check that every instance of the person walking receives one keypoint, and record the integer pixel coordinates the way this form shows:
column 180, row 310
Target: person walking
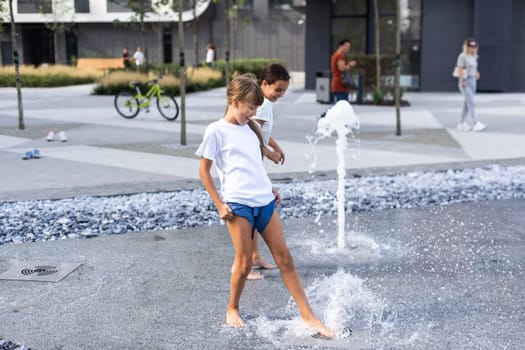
column 210, row 55
column 468, row 74
column 338, row 64
column 246, row 200
column 126, row 58
column 139, row 57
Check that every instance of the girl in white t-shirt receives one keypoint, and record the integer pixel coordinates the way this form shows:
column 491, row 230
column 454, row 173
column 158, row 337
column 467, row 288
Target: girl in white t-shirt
column 274, row 81
column 246, row 199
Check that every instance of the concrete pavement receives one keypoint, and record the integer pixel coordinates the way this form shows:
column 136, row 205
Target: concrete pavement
column 429, row 278
column 107, row 154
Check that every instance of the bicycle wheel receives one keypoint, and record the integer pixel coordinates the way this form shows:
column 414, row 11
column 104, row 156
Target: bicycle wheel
column 167, row 106
column 126, row 104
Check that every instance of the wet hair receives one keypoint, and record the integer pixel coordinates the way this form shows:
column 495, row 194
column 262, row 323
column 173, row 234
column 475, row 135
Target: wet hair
column 244, row 88
column 344, row 41
column 274, row 72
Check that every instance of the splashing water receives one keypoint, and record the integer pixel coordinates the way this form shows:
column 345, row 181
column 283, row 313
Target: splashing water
column 341, row 300
column 341, row 119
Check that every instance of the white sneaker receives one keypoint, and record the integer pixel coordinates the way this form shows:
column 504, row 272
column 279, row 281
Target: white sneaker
column 464, row 126
column 62, row 136
column 479, row 127
column 50, row 136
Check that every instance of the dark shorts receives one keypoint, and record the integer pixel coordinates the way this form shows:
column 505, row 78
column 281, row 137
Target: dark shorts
column 258, row 217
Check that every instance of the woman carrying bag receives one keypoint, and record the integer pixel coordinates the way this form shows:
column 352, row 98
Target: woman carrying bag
column 467, row 73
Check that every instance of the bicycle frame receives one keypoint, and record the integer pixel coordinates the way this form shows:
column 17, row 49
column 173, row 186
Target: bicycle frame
column 145, row 100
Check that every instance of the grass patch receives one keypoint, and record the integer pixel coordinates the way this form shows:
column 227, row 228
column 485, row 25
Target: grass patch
column 48, row 76
column 202, row 78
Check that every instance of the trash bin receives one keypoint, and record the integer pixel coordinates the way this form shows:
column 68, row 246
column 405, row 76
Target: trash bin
column 322, row 86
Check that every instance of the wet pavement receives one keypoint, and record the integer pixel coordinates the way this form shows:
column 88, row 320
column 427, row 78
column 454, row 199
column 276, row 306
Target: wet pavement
column 442, row 277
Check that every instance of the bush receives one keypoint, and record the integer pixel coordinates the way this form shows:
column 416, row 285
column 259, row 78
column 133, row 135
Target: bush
column 203, row 78
column 247, row 65
column 48, row 76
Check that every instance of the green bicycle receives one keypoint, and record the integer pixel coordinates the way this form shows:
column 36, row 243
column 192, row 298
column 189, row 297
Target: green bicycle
column 128, row 103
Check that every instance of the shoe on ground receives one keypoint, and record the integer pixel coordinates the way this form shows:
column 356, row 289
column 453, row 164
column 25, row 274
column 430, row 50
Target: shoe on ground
column 62, row 136
column 463, row 126
column 50, row 136
column 28, row 155
column 479, row 127
column 36, row 153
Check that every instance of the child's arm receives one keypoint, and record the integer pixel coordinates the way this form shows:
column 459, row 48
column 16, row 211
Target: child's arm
column 225, row 212
column 280, row 153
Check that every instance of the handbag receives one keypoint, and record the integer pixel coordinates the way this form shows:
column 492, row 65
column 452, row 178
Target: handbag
column 347, row 80
column 455, row 72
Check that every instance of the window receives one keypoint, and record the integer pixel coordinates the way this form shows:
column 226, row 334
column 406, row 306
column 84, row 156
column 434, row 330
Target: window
column 350, row 8
column 82, row 6
column 134, row 6
column 352, row 28
column 34, row 6
column 281, row 4
column 243, row 4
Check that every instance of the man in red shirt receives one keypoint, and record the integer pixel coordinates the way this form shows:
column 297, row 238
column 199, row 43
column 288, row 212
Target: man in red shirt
column 338, row 64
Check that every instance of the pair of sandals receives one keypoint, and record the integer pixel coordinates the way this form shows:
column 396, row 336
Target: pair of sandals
column 34, row 154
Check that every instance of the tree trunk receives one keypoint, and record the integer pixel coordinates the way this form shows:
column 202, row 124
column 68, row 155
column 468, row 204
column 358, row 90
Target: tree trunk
column 377, row 42
column 195, row 26
column 398, row 67
column 55, row 44
column 16, row 59
column 227, row 8
column 182, row 73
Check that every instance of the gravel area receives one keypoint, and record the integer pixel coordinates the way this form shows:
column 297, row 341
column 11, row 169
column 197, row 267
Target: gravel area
column 83, row 217
column 8, row 345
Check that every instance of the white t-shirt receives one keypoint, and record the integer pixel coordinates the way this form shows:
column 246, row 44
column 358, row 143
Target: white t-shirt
column 210, row 56
column 265, row 113
column 138, row 56
column 237, row 157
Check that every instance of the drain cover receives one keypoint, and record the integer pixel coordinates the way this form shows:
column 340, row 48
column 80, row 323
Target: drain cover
column 31, row 271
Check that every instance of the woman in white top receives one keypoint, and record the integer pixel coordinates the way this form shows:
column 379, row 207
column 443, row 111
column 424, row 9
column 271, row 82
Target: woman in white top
column 246, row 199
column 210, row 55
column 467, row 67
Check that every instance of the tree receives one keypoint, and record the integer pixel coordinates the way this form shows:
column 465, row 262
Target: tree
column 377, row 42
column 398, row 67
column 140, row 9
column 58, row 21
column 16, row 61
column 182, row 73
column 227, row 12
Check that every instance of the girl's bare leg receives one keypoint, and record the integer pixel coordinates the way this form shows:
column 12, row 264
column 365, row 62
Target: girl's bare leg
column 241, row 236
column 274, row 238
column 257, row 259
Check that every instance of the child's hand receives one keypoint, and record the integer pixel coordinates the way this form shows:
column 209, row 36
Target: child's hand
column 275, row 156
column 277, row 195
column 225, row 212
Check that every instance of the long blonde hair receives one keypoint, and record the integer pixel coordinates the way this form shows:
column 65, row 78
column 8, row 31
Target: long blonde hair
column 244, row 88
column 465, row 46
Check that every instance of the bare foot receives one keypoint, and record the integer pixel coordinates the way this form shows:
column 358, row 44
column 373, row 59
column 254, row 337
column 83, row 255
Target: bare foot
column 233, row 318
column 263, row 264
column 254, row 275
column 321, row 328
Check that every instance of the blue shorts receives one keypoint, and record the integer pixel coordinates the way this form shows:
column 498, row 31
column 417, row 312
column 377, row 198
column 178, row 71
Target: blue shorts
column 258, row 217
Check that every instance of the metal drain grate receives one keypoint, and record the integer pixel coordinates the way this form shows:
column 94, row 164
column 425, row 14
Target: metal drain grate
column 31, row 271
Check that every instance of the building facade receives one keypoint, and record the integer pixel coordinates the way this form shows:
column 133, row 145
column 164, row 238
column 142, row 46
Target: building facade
column 432, row 34
column 102, row 28
column 303, row 33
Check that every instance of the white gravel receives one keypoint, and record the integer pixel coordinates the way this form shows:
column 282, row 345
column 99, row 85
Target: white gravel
column 30, row 221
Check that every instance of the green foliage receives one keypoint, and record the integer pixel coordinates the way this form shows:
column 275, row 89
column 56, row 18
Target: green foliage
column 247, row 65
column 51, row 80
column 378, row 96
